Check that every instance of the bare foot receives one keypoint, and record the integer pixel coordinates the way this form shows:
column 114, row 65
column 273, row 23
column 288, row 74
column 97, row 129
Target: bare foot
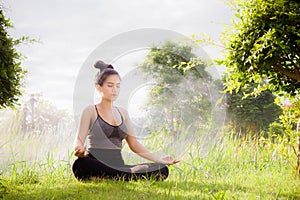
column 138, row 167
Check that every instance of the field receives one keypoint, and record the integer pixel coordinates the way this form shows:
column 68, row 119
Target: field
column 231, row 169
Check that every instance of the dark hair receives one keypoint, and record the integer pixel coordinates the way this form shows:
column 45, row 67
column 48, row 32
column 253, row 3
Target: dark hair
column 105, row 71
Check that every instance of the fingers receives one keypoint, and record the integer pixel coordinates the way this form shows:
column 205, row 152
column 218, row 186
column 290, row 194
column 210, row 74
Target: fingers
column 80, row 152
column 173, row 162
column 168, row 160
column 86, row 154
column 176, row 161
column 138, row 168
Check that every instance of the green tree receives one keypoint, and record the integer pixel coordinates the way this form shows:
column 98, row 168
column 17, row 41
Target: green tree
column 181, row 88
column 11, row 72
column 264, row 44
column 254, row 113
column 36, row 117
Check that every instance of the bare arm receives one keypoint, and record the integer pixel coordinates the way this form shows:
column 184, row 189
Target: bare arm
column 84, row 126
column 140, row 149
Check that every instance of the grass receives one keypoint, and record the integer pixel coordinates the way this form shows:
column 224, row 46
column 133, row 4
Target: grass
column 232, row 169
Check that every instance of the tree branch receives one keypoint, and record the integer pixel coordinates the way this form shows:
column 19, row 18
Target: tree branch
column 293, row 75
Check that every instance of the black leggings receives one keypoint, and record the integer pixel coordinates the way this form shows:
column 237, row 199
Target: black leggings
column 87, row 167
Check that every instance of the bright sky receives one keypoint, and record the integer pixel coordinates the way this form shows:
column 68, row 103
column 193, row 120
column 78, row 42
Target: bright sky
column 70, row 30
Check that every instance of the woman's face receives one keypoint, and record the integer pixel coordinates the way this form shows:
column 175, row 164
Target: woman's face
column 110, row 88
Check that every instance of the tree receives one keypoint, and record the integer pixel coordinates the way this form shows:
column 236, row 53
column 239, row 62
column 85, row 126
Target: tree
column 264, row 44
column 11, row 72
column 181, row 87
column 254, row 113
column 36, row 117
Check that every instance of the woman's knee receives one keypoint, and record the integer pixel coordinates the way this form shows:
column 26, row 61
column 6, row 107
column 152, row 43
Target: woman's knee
column 79, row 168
column 164, row 171
column 78, row 164
column 160, row 172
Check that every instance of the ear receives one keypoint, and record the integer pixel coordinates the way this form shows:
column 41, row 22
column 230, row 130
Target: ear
column 99, row 88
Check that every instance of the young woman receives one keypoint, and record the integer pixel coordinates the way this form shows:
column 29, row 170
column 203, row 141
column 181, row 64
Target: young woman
column 103, row 127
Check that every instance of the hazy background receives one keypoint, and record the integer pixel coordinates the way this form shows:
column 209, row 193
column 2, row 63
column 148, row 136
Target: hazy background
column 69, row 30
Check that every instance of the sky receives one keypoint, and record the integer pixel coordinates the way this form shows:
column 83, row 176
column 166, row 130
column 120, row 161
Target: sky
column 68, row 32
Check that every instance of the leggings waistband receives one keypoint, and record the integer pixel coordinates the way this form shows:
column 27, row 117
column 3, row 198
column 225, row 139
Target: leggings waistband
column 110, row 157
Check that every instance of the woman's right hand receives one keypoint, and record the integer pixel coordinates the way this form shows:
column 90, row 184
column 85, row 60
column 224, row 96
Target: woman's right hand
column 80, row 151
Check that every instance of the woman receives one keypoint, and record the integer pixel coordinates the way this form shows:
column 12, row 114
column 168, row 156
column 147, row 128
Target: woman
column 103, row 127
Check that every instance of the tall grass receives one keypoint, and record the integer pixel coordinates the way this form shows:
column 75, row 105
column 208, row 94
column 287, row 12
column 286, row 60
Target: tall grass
column 252, row 168
column 38, row 166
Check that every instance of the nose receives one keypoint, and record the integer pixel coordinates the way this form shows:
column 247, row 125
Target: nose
column 115, row 89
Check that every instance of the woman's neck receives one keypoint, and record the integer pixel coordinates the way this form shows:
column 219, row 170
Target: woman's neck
column 107, row 105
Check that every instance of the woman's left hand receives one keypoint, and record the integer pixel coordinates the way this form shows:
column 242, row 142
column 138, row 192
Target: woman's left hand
column 168, row 160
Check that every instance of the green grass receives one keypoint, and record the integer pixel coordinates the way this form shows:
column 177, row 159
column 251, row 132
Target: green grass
column 230, row 170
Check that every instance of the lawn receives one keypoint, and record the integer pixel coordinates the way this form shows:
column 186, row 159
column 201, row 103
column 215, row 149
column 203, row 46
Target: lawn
column 232, row 169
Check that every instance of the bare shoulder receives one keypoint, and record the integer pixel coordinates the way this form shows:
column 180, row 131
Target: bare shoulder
column 123, row 111
column 89, row 108
column 89, row 111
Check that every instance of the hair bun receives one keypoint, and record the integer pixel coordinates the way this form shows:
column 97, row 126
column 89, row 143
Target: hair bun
column 102, row 65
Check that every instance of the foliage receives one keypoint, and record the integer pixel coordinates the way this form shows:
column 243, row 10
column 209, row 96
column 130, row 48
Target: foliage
column 289, row 118
column 276, row 129
column 11, row 72
column 181, row 87
column 264, row 44
column 34, row 117
column 254, row 113
column 28, row 136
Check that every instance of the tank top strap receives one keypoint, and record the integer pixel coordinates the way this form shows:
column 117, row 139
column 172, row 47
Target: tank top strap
column 120, row 113
column 97, row 111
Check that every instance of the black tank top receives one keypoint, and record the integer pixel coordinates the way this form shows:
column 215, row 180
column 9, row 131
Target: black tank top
column 106, row 136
